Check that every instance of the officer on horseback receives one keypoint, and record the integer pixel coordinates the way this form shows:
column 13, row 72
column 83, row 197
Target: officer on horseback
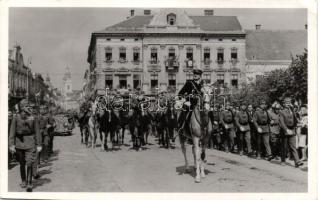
column 190, row 91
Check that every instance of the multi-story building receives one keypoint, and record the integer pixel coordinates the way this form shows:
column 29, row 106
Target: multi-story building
column 159, row 51
column 267, row 50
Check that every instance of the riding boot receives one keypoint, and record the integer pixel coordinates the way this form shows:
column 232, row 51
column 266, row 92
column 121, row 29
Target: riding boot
column 29, row 179
column 23, row 176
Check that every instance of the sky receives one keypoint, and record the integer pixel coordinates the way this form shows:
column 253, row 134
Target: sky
column 58, row 37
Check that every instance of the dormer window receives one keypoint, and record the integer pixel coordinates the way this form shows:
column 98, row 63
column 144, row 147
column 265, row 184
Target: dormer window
column 171, row 19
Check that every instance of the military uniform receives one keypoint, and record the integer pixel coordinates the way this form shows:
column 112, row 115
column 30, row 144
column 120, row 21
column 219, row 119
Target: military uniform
column 288, row 123
column 275, row 133
column 243, row 130
column 227, row 122
column 25, row 137
column 50, row 132
column 43, row 121
column 215, row 136
column 253, row 132
column 262, row 121
column 191, row 91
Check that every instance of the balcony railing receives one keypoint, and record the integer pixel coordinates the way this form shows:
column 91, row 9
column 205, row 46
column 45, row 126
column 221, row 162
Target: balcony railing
column 136, row 62
column 153, row 62
column 122, row 60
column 171, row 64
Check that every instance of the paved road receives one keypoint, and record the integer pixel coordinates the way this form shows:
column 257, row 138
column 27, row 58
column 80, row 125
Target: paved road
column 74, row 168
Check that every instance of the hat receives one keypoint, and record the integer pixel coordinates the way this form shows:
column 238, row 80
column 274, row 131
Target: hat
column 197, row 71
column 243, row 103
column 287, row 100
column 262, row 101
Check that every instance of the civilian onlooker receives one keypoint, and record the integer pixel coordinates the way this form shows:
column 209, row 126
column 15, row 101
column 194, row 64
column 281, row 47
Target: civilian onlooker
column 303, row 132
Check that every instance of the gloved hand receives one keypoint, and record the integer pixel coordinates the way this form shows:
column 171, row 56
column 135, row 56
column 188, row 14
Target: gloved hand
column 187, row 103
column 12, row 149
column 39, row 148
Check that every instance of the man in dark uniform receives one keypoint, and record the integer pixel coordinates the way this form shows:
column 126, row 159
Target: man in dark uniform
column 25, row 140
column 262, row 125
column 216, row 136
column 191, row 91
column 227, row 122
column 243, row 129
column 51, row 124
column 253, row 133
column 288, row 123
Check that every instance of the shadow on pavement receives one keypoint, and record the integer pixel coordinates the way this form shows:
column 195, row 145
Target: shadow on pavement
column 41, row 182
column 181, row 170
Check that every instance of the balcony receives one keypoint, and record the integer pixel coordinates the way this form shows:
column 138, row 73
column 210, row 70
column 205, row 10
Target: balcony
column 153, row 61
column 109, row 61
column 136, row 62
column 122, row 60
column 220, row 61
column 172, row 64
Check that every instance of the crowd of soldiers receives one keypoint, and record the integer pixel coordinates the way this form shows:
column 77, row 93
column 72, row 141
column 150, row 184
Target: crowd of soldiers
column 262, row 132
column 31, row 135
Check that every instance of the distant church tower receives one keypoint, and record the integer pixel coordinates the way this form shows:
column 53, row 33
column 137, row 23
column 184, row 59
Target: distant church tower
column 67, row 82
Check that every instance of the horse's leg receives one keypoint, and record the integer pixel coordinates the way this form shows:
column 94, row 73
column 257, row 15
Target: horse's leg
column 197, row 158
column 184, row 152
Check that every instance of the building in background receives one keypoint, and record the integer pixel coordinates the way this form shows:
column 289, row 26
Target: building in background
column 70, row 98
column 159, row 51
column 267, row 50
column 23, row 83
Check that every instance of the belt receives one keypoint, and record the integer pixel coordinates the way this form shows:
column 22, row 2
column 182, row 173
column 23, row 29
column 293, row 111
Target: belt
column 19, row 133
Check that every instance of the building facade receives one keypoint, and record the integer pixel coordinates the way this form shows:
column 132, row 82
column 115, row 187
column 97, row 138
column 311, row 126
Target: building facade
column 159, row 52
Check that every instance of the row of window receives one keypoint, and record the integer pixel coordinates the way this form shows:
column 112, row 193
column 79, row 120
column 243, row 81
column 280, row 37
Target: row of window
column 171, row 54
column 154, row 80
column 205, row 39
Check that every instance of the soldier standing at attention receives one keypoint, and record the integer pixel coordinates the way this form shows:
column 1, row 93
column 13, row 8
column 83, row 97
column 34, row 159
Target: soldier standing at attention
column 262, row 122
column 275, row 131
column 243, row 129
column 192, row 89
column 227, row 121
column 25, row 140
column 253, row 133
column 50, row 130
column 288, row 123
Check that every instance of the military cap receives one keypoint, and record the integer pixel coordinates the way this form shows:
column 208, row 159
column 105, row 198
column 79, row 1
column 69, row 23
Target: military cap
column 243, row 103
column 262, row 101
column 287, row 100
column 197, row 71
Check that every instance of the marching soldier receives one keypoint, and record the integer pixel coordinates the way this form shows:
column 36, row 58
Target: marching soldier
column 288, row 123
column 243, row 129
column 43, row 123
column 227, row 122
column 51, row 124
column 262, row 122
column 191, row 91
column 25, row 140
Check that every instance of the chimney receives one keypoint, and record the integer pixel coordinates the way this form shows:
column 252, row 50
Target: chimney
column 132, row 13
column 208, row 12
column 306, row 26
column 147, row 12
column 258, row 27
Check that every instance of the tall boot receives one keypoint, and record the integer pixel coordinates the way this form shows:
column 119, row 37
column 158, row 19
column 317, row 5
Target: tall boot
column 29, row 178
column 23, row 176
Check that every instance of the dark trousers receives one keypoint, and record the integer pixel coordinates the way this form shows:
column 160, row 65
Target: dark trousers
column 275, row 144
column 45, row 150
column 244, row 136
column 253, row 134
column 289, row 143
column 50, row 146
column 263, row 139
column 26, row 158
column 228, row 139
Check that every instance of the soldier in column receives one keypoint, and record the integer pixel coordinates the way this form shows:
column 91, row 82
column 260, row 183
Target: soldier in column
column 275, row 131
column 262, row 125
column 43, row 123
column 243, row 129
column 288, row 123
column 253, row 133
column 227, row 122
column 215, row 136
column 25, row 140
column 50, row 130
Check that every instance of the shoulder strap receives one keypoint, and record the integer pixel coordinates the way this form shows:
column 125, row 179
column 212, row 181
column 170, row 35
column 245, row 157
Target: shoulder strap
column 195, row 87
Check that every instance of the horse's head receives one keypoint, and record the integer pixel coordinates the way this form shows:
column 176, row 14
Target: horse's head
column 207, row 91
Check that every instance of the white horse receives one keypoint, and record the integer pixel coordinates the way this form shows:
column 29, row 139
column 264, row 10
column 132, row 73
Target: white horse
column 93, row 124
column 199, row 130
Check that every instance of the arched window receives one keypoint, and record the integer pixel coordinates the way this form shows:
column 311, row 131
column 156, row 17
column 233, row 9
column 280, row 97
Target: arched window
column 171, row 19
